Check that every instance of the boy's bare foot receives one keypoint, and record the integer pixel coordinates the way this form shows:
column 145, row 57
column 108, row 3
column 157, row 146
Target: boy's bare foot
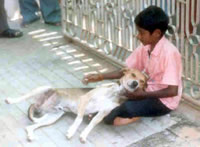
column 124, row 121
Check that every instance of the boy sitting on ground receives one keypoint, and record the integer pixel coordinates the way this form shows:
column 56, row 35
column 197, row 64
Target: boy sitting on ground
column 161, row 60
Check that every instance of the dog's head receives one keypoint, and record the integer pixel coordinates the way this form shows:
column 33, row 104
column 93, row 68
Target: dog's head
column 133, row 79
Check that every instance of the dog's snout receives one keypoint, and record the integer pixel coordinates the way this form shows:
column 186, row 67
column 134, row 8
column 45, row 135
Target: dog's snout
column 134, row 84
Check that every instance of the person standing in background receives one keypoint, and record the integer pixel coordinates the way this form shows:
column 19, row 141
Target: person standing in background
column 50, row 10
column 5, row 31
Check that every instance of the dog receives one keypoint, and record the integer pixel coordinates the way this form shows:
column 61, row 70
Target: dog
column 52, row 103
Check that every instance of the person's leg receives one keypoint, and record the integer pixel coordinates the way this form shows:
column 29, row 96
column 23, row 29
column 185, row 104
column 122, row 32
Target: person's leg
column 28, row 9
column 130, row 110
column 3, row 17
column 5, row 31
column 119, row 121
column 51, row 11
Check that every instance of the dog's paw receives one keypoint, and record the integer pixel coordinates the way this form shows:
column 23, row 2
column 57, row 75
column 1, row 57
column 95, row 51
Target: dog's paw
column 82, row 139
column 8, row 101
column 31, row 138
column 30, row 135
column 69, row 134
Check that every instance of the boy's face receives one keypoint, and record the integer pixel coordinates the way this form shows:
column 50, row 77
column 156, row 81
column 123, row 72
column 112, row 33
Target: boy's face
column 145, row 37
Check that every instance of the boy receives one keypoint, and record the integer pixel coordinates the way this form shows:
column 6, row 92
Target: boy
column 161, row 60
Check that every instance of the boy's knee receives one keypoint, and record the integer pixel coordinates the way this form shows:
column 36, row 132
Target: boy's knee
column 108, row 121
column 126, row 107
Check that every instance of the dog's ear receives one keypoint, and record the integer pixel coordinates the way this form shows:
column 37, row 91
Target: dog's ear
column 146, row 79
column 125, row 70
column 145, row 86
column 146, row 75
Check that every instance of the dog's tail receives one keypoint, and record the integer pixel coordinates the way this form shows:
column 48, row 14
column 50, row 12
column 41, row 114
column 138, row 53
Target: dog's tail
column 32, row 114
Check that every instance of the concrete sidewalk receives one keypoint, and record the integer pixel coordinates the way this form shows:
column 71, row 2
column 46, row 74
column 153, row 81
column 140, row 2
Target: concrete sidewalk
column 31, row 61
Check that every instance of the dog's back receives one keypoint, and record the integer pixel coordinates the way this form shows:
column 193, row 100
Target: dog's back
column 72, row 93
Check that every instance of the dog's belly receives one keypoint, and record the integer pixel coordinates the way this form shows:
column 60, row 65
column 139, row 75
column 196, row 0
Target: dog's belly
column 69, row 106
column 97, row 106
column 69, row 98
column 93, row 106
column 101, row 99
column 98, row 99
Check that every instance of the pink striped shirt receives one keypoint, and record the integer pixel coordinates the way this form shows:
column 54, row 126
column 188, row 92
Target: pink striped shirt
column 164, row 68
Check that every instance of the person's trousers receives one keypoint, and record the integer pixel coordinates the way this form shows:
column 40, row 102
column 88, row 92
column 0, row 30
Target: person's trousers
column 138, row 108
column 3, row 17
column 50, row 10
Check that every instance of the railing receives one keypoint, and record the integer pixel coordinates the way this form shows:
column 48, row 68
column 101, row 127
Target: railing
column 106, row 26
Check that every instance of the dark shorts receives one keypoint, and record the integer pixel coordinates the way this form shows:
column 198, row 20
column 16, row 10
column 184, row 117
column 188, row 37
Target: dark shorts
column 138, row 108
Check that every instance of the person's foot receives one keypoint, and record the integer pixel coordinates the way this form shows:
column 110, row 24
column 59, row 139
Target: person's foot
column 11, row 33
column 124, row 121
column 26, row 23
column 54, row 23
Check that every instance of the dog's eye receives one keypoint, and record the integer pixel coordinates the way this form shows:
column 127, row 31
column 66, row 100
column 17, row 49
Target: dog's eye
column 133, row 75
column 141, row 81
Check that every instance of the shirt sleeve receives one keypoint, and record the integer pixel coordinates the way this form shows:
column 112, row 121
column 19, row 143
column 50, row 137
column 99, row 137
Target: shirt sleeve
column 173, row 69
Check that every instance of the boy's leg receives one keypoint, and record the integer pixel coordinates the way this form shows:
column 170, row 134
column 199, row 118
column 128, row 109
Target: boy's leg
column 119, row 121
column 28, row 9
column 132, row 109
column 51, row 11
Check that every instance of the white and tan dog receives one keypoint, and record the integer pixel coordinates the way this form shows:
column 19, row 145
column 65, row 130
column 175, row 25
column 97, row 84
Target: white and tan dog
column 51, row 103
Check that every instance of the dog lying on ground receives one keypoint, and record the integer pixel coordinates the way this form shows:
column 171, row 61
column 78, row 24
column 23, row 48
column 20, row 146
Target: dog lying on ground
column 52, row 103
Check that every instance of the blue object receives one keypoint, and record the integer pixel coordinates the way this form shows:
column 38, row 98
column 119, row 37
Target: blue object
column 50, row 10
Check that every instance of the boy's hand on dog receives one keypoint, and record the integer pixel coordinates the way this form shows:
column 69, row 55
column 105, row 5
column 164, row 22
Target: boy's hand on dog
column 92, row 78
column 136, row 94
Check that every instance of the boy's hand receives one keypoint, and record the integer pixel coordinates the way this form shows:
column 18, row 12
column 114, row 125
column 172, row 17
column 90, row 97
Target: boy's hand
column 136, row 94
column 92, row 78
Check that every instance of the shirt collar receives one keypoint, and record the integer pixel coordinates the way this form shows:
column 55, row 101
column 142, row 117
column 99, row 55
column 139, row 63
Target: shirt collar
column 157, row 48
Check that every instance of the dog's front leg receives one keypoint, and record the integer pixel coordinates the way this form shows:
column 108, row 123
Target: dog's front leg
column 34, row 92
column 81, row 110
column 50, row 119
column 72, row 129
column 97, row 119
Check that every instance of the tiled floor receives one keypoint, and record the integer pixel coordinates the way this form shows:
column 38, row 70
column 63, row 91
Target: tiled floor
column 31, row 61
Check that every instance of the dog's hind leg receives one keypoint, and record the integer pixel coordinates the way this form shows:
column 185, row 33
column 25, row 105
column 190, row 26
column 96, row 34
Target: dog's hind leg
column 33, row 93
column 97, row 119
column 49, row 119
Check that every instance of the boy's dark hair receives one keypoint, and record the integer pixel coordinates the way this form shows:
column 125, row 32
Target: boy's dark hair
column 152, row 18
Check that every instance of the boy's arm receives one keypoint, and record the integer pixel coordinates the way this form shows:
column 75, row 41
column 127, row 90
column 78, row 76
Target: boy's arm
column 113, row 75
column 106, row 76
column 170, row 91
